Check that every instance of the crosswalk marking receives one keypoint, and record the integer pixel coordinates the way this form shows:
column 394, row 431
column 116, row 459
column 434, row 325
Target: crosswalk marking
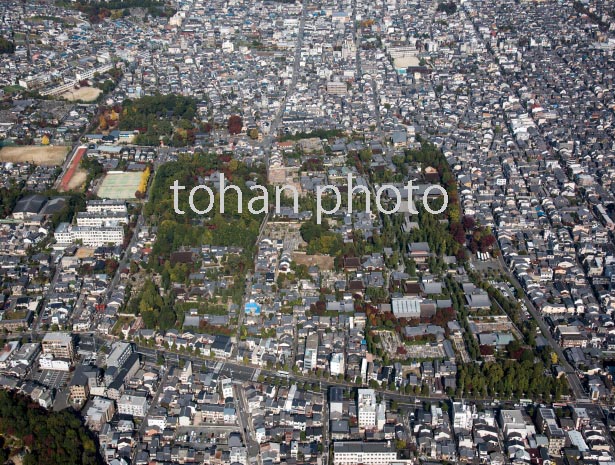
column 218, row 367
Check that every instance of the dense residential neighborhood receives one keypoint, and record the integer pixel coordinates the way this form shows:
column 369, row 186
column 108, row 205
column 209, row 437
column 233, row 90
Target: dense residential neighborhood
column 165, row 310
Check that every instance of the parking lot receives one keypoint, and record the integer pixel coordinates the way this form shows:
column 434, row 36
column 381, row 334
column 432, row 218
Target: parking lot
column 50, row 378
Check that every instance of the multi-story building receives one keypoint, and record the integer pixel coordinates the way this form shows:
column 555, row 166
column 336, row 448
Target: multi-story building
column 79, row 385
column 570, row 336
column 366, row 453
column 100, row 412
column 26, row 355
column 462, row 417
column 186, row 373
column 512, row 421
column 17, row 324
column 547, row 422
column 212, row 413
column 132, row 405
column 239, row 455
column 336, row 365
column 580, row 417
column 6, row 353
column 119, row 354
column 99, row 206
column 557, row 439
column 49, row 362
column 101, row 219
column 90, row 72
column 89, row 235
column 59, row 345
column 337, row 88
column 366, row 408
column 311, row 352
column 227, row 387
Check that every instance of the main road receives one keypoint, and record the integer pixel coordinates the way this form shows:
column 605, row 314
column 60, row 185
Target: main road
column 246, row 373
column 267, row 141
column 127, row 254
column 573, row 380
column 266, row 145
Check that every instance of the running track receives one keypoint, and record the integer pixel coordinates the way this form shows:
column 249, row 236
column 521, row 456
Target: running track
column 74, row 164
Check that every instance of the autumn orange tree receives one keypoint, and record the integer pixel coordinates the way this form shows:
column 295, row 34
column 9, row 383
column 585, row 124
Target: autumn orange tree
column 102, row 123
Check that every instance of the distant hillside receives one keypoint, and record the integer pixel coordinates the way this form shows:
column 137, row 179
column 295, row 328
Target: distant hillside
column 44, row 437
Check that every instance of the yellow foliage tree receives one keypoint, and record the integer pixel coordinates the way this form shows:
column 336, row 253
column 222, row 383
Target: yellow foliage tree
column 45, row 140
column 102, row 122
column 144, row 179
column 253, row 133
column 181, row 133
column 233, row 165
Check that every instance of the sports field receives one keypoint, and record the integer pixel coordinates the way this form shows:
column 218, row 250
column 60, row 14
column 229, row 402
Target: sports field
column 120, row 185
column 77, row 181
column 74, row 176
column 37, row 154
column 324, row 262
column 87, row 94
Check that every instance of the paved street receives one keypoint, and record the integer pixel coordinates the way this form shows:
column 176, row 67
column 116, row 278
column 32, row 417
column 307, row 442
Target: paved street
column 507, row 106
column 573, row 380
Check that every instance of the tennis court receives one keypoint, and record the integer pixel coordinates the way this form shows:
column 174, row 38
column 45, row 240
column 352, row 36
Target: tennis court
column 120, row 185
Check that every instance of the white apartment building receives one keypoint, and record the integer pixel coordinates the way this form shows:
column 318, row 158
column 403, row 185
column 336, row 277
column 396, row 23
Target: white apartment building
column 186, row 373
column 89, row 73
column 336, row 365
column 49, row 362
column 227, row 387
column 366, row 407
column 101, row 219
column 462, row 417
column 157, row 420
column 310, row 358
column 288, row 405
column 366, row 453
column 132, row 405
column 88, row 235
column 81, row 75
column 99, row 206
